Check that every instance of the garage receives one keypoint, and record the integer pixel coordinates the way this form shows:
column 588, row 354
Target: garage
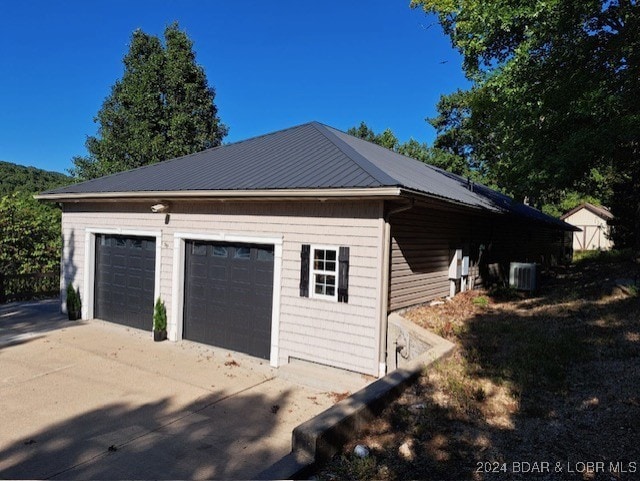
column 125, row 280
column 228, row 295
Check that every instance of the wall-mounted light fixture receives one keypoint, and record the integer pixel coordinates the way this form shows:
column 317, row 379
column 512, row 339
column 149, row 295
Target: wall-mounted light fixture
column 160, row 208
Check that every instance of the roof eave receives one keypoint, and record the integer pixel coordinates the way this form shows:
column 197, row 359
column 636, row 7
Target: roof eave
column 387, row 192
column 259, row 194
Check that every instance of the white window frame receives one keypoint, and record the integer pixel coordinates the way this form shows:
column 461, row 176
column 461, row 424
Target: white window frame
column 313, row 272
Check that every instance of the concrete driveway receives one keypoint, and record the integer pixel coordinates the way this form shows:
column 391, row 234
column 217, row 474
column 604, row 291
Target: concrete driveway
column 95, row 400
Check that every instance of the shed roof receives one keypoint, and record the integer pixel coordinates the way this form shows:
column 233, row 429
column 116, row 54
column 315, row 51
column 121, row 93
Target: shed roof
column 310, row 156
column 601, row 212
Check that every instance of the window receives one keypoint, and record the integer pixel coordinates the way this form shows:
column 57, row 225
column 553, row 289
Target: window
column 242, row 253
column 199, row 249
column 324, row 272
column 220, row 251
column 265, row 254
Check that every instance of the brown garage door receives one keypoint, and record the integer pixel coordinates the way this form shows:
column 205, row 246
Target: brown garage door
column 228, row 296
column 125, row 280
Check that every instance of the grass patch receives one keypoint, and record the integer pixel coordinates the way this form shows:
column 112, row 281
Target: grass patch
column 353, row 467
column 480, row 301
column 613, row 255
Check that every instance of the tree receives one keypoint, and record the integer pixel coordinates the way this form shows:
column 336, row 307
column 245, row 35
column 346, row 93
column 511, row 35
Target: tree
column 160, row 109
column 28, row 179
column 552, row 109
column 29, row 234
column 192, row 115
column 416, row 150
column 30, row 237
column 363, row 132
column 626, row 207
column 386, row 139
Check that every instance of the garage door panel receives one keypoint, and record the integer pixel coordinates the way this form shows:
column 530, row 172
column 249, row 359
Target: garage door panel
column 217, row 296
column 238, row 276
column 200, row 271
column 263, row 277
column 118, row 260
column 217, row 273
column 125, row 280
column 198, row 293
column 118, row 280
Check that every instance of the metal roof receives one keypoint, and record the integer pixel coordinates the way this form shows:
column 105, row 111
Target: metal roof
column 308, row 156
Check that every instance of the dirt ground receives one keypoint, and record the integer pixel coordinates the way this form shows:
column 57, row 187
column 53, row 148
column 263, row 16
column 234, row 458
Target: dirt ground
column 541, row 387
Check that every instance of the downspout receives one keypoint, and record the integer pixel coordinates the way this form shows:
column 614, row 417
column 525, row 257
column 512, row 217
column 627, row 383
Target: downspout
column 386, row 275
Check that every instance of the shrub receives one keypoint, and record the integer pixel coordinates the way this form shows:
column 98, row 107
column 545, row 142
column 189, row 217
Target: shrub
column 159, row 316
column 74, row 304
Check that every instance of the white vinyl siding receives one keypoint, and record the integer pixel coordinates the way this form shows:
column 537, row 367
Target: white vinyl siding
column 344, row 335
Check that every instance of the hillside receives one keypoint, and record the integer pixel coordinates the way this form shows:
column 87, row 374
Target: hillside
column 15, row 177
column 546, row 379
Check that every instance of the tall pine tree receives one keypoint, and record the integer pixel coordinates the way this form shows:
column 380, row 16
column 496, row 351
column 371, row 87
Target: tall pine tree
column 160, row 109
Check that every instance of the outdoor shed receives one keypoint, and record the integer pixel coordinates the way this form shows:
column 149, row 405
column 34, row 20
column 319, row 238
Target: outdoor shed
column 593, row 222
column 292, row 245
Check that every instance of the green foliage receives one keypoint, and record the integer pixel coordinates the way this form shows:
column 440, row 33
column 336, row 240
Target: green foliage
column 416, row 150
column 30, row 236
column 28, row 179
column 159, row 316
column 567, row 201
column 74, row 304
column 160, row 109
column 553, row 105
column 363, row 132
column 480, row 301
column 615, row 256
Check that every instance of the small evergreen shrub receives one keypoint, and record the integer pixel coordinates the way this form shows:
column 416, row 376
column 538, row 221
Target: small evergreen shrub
column 159, row 316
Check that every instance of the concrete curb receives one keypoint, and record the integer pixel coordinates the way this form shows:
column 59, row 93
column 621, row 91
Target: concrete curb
column 317, row 440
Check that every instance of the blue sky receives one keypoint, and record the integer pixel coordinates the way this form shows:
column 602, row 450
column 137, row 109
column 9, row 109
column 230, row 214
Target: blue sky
column 274, row 64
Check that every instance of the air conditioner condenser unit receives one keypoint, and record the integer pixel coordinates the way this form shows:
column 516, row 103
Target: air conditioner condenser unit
column 523, row 276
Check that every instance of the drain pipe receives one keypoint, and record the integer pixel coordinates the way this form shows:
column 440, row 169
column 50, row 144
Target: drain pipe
column 386, row 275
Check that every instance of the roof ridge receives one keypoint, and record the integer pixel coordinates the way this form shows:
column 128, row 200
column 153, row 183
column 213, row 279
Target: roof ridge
column 372, row 170
column 255, row 137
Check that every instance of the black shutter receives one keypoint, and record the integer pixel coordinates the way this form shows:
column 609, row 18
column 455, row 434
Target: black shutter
column 343, row 275
column 304, row 270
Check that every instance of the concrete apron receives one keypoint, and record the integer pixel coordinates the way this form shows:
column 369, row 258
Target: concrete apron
column 95, row 400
